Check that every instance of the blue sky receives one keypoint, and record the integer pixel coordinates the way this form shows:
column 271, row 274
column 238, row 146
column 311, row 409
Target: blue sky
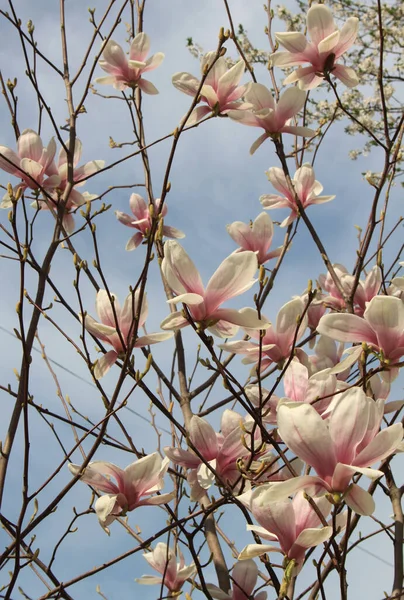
column 214, row 182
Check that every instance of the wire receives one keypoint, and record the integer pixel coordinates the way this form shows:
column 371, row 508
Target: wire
column 54, row 362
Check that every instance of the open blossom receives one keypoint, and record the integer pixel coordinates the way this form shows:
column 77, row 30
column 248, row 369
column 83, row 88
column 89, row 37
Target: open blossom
column 233, row 277
column 277, row 343
column 348, row 443
column 80, row 174
column 293, row 524
column 117, row 329
column 256, row 237
column 174, row 574
column 327, row 45
column 365, row 291
column 125, row 489
column 35, row 165
column 381, row 327
column 32, row 163
column 305, row 185
column 143, row 221
column 273, row 117
column 317, row 389
column 220, row 92
column 221, row 451
column 124, row 72
column 244, row 576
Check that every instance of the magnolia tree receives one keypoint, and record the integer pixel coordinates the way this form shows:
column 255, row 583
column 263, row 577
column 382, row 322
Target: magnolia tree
column 231, row 481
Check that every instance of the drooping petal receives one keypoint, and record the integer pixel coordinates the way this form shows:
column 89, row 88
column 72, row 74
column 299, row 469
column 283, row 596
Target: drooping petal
column 360, row 501
column 347, row 75
column 185, row 82
column 147, row 87
column 245, row 317
column 9, row 161
column 384, row 444
column 94, row 475
column 313, row 537
column 103, row 364
column 175, row 320
column 153, row 338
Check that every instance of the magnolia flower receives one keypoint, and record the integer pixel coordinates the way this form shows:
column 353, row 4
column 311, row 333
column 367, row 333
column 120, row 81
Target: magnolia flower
column 233, row 277
column 174, row 574
column 256, row 237
column 348, row 443
column 125, row 488
column 117, row 327
column 382, row 328
column 124, row 72
column 266, row 404
column 327, row 45
column 306, row 187
column 221, row 451
column 317, row 389
column 316, row 309
column 32, row 163
column 277, row 343
column 143, row 221
column 220, row 91
column 293, row 524
column 80, row 174
column 273, row 117
column 328, row 355
column 364, row 292
column 244, row 576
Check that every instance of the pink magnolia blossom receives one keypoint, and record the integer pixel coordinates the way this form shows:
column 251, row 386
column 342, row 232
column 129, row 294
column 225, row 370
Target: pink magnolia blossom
column 277, row 342
column 125, row 489
column 233, row 277
column 316, row 309
column 124, row 72
column 348, row 443
column 143, row 221
column 293, row 524
column 273, row 117
column 259, row 397
column 32, row 163
column 75, row 198
column 256, row 237
column 316, row 389
column 329, row 355
column 244, row 576
column 382, row 328
column 174, row 574
column 306, row 187
column 365, row 291
column 221, row 451
column 117, row 329
column 327, row 45
column 220, row 92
